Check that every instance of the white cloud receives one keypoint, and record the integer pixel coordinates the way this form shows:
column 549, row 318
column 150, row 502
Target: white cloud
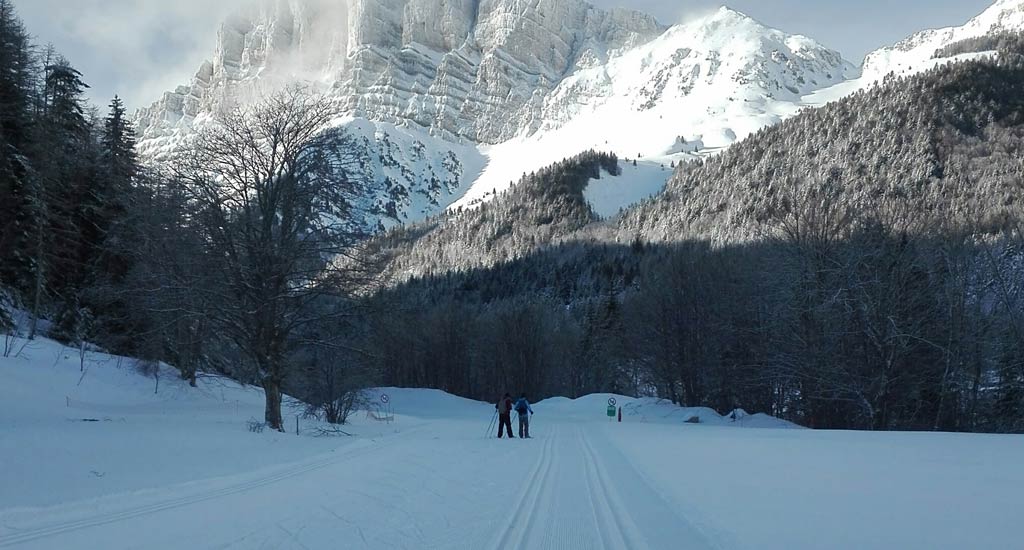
column 137, row 49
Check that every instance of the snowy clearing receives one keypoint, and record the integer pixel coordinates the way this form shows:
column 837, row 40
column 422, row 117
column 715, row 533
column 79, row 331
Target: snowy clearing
column 108, row 463
column 609, row 195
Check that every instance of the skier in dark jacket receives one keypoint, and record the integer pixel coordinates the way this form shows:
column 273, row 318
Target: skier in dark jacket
column 524, row 410
column 504, row 407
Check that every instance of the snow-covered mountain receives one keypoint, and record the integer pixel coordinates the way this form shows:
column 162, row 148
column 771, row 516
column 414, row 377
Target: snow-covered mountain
column 504, row 86
column 917, row 53
column 454, row 100
column 470, row 69
column 698, row 87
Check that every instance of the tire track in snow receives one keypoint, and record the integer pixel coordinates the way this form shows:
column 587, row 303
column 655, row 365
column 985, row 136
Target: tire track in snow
column 516, row 529
column 21, row 536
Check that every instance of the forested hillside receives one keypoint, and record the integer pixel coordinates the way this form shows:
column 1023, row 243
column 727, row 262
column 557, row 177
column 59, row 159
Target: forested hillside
column 857, row 266
column 541, row 210
column 943, row 147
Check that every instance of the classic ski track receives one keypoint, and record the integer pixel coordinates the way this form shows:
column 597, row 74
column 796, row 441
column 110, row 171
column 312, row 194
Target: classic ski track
column 33, row 534
column 525, row 508
column 625, row 533
column 591, row 497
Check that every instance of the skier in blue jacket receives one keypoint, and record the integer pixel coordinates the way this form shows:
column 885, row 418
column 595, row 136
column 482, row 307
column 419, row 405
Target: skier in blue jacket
column 524, row 410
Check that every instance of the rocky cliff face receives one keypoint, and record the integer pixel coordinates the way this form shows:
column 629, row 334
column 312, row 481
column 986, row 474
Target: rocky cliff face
column 465, row 69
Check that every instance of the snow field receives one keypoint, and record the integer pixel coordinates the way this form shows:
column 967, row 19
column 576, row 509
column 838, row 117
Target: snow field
column 180, row 470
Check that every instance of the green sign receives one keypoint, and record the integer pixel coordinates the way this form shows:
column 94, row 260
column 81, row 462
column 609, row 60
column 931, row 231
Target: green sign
column 611, row 410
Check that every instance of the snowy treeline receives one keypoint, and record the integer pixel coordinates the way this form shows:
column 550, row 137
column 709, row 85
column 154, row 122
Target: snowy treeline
column 857, row 266
column 1007, row 41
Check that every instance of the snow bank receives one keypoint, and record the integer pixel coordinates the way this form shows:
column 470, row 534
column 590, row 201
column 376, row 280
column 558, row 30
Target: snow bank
column 650, row 410
column 432, row 404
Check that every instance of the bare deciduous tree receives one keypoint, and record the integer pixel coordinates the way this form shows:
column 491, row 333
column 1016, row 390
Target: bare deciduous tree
column 268, row 188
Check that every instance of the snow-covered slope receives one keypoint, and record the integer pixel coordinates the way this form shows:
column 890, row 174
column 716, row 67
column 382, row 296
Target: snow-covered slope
column 916, row 53
column 697, row 88
column 717, row 78
column 104, row 461
column 527, row 83
column 608, row 195
column 409, row 175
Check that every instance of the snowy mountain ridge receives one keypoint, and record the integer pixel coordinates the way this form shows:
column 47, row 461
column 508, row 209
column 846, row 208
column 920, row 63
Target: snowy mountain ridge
column 469, row 69
column 698, row 87
column 507, row 87
column 916, row 53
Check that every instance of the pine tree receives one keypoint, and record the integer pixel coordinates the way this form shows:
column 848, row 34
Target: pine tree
column 16, row 85
column 63, row 147
column 109, row 199
column 119, row 145
column 63, row 109
column 107, row 227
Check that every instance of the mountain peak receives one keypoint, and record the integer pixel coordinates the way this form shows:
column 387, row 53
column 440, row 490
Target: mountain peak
column 722, row 16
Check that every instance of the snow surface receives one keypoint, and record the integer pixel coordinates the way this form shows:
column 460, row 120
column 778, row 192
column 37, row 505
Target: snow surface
column 177, row 468
column 609, row 195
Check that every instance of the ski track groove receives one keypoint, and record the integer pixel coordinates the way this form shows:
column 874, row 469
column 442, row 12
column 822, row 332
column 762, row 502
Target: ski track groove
column 587, row 472
column 33, row 534
column 525, row 508
column 627, row 535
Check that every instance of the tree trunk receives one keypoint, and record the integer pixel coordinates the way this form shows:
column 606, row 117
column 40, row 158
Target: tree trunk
column 272, row 387
column 37, row 291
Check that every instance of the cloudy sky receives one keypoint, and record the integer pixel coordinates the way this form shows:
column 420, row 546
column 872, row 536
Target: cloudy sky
column 140, row 48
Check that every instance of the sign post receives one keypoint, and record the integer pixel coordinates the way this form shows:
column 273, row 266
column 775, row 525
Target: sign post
column 611, row 409
column 386, row 400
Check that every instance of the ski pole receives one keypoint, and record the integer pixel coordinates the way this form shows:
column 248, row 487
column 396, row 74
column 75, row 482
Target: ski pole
column 490, row 427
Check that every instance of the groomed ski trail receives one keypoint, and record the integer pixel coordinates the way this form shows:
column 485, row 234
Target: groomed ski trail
column 569, row 488
column 572, row 501
column 20, row 536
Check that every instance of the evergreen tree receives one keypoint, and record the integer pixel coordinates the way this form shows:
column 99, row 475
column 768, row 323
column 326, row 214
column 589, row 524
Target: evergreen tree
column 119, row 145
column 16, row 85
column 107, row 227
column 63, row 145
